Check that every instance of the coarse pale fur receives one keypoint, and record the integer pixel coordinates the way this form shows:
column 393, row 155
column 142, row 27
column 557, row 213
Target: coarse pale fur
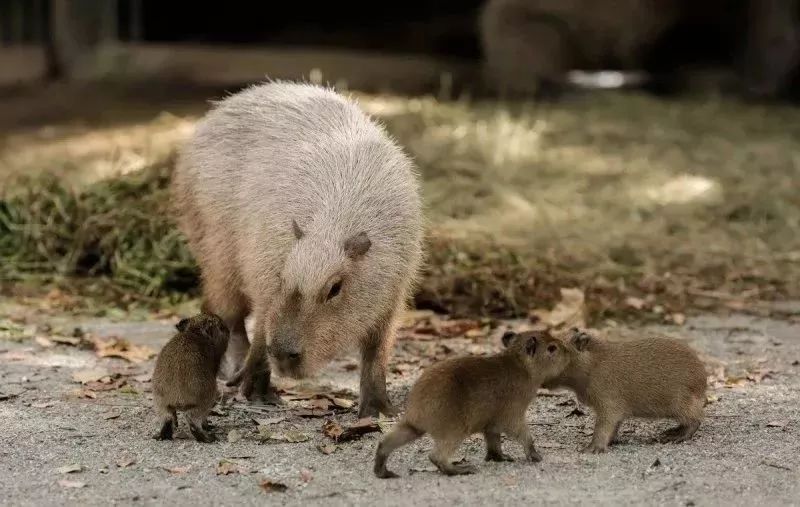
column 653, row 377
column 281, row 152
column 185, row 374
column 457, row 397
column 528, row 43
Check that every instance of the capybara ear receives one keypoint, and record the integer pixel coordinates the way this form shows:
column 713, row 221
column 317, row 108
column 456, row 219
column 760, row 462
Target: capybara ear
column 507, row 337
column 298, row 232
column 530, row 345
column 580, row 340
column 182, row 324
column 356, row 246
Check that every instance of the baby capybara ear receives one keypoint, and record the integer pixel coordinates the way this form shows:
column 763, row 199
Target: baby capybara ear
column 530, row 345
column 181, row 326
column 508, row 336
column 579, row 339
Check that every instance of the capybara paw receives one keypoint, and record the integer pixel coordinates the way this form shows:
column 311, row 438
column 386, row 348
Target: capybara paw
column 386, row 474
column 533, row 456
column 461, row 469
column 375, row 407
column 159, row 436
column 498, row 456
column 595, row 449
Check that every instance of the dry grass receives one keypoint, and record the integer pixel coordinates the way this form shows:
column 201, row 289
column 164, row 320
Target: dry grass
column 621, row 195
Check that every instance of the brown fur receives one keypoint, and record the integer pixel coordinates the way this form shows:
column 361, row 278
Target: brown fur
column 653, row 377
column 458, row 397
column 185, row 375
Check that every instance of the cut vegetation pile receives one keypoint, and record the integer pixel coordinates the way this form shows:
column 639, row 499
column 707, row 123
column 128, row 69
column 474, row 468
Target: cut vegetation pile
column 648, row 206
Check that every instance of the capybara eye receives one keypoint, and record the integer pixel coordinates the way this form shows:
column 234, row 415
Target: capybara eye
column 552, row 348
column 337, row 287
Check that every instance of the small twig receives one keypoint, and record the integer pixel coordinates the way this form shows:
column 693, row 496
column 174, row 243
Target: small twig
column 775, row 465
column 674, row 485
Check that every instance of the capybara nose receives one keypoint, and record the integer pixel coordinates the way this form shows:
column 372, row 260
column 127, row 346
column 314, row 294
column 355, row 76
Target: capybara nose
column 294, row 356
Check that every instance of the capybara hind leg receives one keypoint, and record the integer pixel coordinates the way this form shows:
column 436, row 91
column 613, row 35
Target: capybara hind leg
column 169, row 422
column 197, row 419
column 401, row 435
column 442, row 454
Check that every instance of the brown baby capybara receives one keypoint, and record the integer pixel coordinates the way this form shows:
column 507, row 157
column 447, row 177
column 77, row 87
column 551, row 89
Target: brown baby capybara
column 654, row 377
column 461, row 396
column 304, row 213
column 185, row 375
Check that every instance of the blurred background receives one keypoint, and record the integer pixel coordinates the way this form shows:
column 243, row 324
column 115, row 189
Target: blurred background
column 644, row 151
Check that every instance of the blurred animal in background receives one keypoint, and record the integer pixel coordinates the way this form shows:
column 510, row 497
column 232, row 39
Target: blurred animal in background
column 538, row 47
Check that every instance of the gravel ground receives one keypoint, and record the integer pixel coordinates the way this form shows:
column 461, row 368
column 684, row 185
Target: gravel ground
column 745, row 453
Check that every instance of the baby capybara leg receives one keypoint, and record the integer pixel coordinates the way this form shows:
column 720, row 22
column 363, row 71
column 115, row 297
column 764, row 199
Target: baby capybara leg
column 401, row 435
column 442, row 454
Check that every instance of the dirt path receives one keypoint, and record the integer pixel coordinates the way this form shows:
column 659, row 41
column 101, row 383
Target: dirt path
column 746, row 453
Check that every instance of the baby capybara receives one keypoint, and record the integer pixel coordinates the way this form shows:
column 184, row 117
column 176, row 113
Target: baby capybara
column 461, row 396
column 654, row 377
column 185, row 375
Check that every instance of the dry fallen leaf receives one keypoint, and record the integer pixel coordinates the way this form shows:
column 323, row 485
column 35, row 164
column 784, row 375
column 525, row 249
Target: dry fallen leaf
column 295, row 437
column 125, row 462
column 43, row 342
column 111, row 415
column 86, row 376
column 64, row 483
column 327, row 448
column 226, row 467
column 332, row 430
column 320, row 404
column 343, row 403
column 269, row 486
column 777, row 424
column 569, row 312
column 269, row 421
column 679, row 319
column 359, row 429
column 118, row 347
column 177, row 470
column 759, row 374
column 234, row 436
column 306, row 475
column 66, row 340
column 454, row 328
column 42, row 404
column 69, row 469
column 635, row 303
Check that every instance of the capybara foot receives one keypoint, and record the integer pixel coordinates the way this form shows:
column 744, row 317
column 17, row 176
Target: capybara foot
column 498, row 456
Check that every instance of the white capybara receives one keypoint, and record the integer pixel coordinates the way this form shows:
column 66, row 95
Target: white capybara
column 303, row 212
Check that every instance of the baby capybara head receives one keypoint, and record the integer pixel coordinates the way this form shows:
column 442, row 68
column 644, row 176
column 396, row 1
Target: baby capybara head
column 545, row 355
column 206, row 326
column 320, row 308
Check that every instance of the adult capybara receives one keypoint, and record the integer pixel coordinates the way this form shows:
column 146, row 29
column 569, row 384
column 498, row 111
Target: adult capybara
column 303, row 212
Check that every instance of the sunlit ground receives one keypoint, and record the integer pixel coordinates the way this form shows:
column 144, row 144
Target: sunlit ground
column 703, row 194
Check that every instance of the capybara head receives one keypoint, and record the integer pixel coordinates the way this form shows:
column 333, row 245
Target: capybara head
column 206, row 326
column 321, row 303
column 545, row 355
